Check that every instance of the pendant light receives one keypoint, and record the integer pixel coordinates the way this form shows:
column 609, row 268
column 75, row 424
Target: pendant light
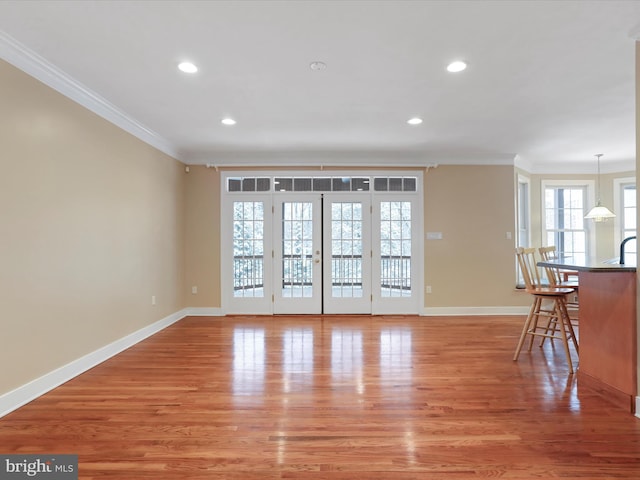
column 599, row 213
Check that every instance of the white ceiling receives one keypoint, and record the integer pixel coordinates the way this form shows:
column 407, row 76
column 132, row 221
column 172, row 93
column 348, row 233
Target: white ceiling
column 549, row 83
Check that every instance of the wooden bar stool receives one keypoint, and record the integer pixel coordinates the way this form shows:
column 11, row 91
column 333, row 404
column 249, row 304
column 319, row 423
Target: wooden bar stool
column 549, row 302
column 559, row 278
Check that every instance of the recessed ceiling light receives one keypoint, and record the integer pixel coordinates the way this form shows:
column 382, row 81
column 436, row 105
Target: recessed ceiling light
column 228, row 121
column 456, row 66
column 187, row 67
column 317, row 65
column 414, row 121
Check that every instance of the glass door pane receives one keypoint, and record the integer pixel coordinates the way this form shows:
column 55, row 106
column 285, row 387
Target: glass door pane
column 297, row 249
column 245, row 264
column 394, row 287
column 347, row 260
column 298, row 255
column 395, row 249
column 248, row 249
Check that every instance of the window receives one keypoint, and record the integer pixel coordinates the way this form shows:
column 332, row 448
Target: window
column 324, row 183
column 625, row 209
column 564, row 207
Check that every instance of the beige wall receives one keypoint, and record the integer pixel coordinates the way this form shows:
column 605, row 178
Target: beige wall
column 203, row 237
column 92, row 226
column 474, row 264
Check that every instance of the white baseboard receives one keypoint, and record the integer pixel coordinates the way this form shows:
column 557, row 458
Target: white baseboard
column 463, row 311
column 203, row 312
column 14, row 399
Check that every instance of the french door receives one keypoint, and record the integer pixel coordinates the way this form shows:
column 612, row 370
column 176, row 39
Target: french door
column 309, row 252
column 297, row 237
column 322, row 254
column 347, row 253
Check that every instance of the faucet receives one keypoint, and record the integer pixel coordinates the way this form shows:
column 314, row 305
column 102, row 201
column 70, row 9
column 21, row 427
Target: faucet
column 621, row 261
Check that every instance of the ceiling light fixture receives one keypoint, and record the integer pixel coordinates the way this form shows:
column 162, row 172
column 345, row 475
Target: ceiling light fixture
column 457, row 66
column 414, row 121
column 599, row 213
column 187, row 67
column 228, row 121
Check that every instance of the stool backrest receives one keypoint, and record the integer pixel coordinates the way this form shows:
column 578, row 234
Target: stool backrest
column 553, row 273
column 528, row 267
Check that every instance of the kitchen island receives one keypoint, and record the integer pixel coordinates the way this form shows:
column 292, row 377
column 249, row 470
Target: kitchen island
column 607, row 328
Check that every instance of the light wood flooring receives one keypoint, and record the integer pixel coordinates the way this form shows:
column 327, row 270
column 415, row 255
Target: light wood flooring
column 331, row 397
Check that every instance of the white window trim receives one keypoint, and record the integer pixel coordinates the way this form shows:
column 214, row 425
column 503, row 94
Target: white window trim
column 591, row 231
column 526, row 180
column 618, row 183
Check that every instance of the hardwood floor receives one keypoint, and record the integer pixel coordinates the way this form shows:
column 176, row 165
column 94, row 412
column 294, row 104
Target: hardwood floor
column 312, row 397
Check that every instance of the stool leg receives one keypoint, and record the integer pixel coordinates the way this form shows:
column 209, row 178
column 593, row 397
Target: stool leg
column 563, row 316
column 572, row 332
column 533, row 325
column 525, row 328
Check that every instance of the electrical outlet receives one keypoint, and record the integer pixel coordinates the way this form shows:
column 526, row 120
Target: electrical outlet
column 153, row 299
column 428, row 289
column 194, row 290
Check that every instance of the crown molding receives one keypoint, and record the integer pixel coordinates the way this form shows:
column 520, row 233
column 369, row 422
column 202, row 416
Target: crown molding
column 36, row 66
column 586, row 168
column 337, row 158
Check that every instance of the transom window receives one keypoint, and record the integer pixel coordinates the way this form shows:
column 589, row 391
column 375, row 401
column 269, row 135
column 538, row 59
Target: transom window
column 322, row 183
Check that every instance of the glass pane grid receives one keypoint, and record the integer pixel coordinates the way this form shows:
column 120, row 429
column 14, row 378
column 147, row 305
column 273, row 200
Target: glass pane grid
column 248, row 249
column 395, row 249
column 346, row 251
column 297, row 249
column 564, row 221
column 248, row 184
column 321, row 184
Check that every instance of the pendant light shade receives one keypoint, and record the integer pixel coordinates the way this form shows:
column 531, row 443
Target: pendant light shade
column 599, row 213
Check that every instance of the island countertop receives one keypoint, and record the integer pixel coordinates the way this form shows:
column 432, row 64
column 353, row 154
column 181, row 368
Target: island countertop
column 589, row 265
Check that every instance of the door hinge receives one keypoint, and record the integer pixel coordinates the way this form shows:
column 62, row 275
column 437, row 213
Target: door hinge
column 273, row 209
column 273, row 298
